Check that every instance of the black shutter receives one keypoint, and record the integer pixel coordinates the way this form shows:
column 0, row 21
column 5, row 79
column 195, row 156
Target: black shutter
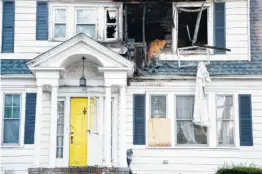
column 245, row 120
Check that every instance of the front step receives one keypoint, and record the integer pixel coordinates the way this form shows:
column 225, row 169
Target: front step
column 79, row 170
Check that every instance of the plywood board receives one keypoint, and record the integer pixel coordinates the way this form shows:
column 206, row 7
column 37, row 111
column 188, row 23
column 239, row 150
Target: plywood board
column 159, row 132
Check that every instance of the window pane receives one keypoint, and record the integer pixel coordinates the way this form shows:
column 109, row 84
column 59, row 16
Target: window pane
column 92, row 115
column 111, row 31
column 87, row 29
column 86, row 16
column 225, row 130
column 225, row 107
column 60, row 141
column 60, row 15
column 8, row 100
column 16, row 100
column 59, row 152
column 8, row 112
column 16, row 112
column 11, row 132
column 189, row 133
column 185, row 107
column 111, row 16
column 60, row 30
column 158, row 106
column 60, row 129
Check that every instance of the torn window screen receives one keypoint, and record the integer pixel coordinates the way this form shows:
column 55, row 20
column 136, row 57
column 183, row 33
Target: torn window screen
column 186, row 27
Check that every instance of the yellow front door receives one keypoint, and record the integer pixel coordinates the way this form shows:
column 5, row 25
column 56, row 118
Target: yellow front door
column 78, row 132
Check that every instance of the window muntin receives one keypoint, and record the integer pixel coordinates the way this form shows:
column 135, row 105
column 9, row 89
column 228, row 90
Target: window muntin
column 86, row 20
column 225, row 120
column 60, row 129
column 187, row 131
column 111, row 25
column 11, row 119
column 60, row 23
column 158, row 106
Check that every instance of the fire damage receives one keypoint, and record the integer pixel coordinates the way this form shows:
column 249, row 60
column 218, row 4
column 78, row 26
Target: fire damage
column 149, row 29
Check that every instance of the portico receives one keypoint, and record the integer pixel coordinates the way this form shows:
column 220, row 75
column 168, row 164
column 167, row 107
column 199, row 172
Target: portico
column 58, row 72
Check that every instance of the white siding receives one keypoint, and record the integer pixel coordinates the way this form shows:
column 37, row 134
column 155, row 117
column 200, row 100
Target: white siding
column 195, row 160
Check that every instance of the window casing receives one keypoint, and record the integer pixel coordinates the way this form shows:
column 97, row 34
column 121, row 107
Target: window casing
column 111, row 23
column 60, row 129
column 225, row 120
column 60, row 23
column 179, row 110
column 86, row 22
column 11, row 119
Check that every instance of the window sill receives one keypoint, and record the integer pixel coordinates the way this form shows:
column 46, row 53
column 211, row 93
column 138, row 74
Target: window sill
column 12, row 146
column 169, row 55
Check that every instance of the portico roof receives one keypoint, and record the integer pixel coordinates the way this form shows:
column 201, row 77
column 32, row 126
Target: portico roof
column 65, row 53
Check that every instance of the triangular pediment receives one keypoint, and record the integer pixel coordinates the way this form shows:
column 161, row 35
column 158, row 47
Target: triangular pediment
column 80, row 44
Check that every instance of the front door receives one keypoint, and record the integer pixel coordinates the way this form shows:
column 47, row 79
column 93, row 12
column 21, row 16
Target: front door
column 78, row 132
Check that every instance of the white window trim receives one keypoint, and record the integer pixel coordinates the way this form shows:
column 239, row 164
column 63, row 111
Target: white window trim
column 209, row 25
column 117, row 23
column 86, row 8
column 53, row 24
column 22, row 117
column 212, row 142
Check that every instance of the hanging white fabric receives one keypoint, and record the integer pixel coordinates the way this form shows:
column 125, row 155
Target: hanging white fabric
column 201, row 116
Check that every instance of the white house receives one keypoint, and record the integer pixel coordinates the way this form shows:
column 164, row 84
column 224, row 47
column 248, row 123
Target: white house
column 76, row 89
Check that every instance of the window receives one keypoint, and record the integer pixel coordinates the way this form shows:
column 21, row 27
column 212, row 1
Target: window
column 86, row 22
column 60, row 23
column 158, row 106
column 187, row 131
column 60, row 129
column 225, row 120
column 11, row 119
column 111, row 23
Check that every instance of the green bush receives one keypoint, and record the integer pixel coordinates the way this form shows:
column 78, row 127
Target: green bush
column 240, row 170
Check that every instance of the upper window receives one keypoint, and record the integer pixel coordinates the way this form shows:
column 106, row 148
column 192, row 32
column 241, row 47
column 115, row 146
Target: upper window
column 11, row 119
column 158, row 106
column 60, row 23
column 86, row 20
column 111, row 24
column 225, row 120
column 187, row 131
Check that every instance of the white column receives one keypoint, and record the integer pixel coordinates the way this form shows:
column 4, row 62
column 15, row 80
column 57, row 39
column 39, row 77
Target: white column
column 53, row 127
column 107, row 129
column 122, row 127
column 38, row 120
column 114, row 133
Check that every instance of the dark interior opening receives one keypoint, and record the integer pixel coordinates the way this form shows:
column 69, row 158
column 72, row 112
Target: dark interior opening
column 158, row 23
column 189, row 19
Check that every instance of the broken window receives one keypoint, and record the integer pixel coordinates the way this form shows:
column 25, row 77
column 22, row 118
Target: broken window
column 187, row 28
column 86, row 22
column 111, row 23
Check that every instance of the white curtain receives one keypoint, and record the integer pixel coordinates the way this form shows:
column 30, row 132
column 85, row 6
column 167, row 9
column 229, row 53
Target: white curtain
column 226, row 126
column 184, row 111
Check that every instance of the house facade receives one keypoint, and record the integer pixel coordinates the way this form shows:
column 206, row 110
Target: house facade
column 78, row 87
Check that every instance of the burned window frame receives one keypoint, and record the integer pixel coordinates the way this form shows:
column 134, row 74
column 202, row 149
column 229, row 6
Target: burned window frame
column 111, row 24
column 210, row 21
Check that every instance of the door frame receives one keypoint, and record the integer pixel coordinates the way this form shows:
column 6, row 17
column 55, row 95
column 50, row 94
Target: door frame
column 66, row 97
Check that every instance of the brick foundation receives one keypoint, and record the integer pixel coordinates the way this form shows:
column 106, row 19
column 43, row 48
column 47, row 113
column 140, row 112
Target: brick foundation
column 78, row 170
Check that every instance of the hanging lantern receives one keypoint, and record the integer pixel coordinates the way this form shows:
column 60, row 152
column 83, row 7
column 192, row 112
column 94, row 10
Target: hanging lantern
column 83, row 78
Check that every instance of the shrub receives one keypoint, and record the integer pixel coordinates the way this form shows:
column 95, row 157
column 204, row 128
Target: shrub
column 240, row 170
